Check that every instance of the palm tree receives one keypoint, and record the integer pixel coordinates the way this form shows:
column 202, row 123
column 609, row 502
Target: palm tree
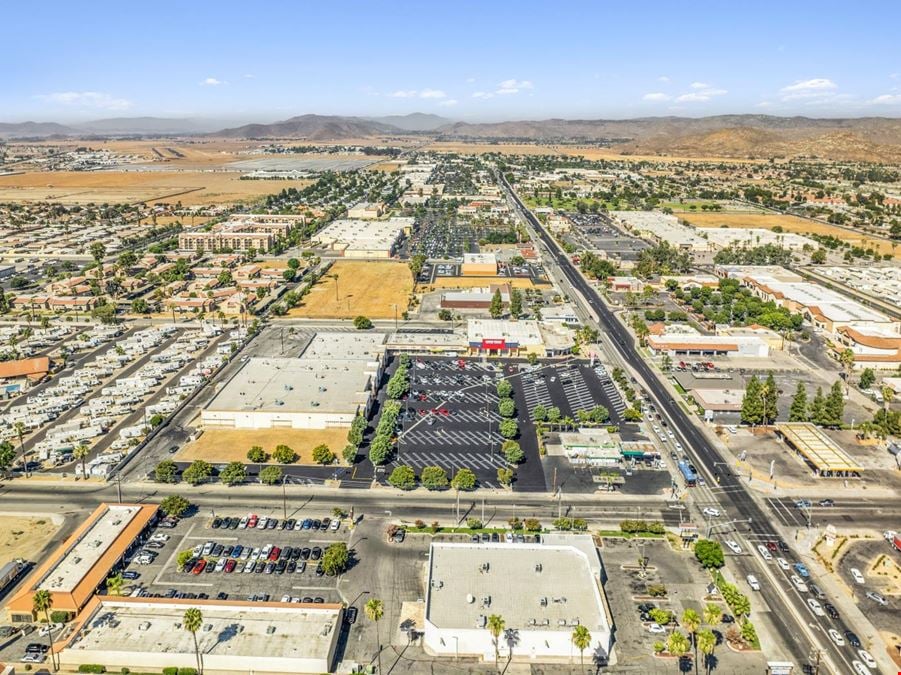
column 677, row 643
column 713, row 614
column 81, row 453
column 495, row 626
column 691, row 622
column 581, row 638
column 192, row 623
column 115, row 583
column 846, row 358
column 20, row 430
column 375, row 611
column 41, row 604
column 887, row 395
column 707, row 644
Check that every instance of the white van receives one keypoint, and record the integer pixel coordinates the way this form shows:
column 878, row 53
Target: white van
column 753, row 583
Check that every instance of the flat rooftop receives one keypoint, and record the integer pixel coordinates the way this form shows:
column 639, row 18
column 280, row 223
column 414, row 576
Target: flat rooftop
column 74, row 565
column 351, row 346
column 230, row 630
column 556, row 586
column 520, row 332
column 817, row 448
column 296, row 385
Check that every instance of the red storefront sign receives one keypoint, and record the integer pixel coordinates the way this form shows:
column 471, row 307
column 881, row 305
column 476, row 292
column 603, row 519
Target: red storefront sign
column 494, row 344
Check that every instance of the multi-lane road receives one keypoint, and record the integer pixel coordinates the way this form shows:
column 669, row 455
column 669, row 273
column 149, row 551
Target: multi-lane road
column 809, row 631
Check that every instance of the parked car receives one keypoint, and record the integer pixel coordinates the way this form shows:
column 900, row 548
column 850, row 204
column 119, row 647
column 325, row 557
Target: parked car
column 831, row 610
column 857, row 575
column 877, row 597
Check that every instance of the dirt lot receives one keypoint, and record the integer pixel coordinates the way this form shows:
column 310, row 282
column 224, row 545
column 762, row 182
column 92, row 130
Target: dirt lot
column 365, row 288
column 188, row 187
column 788, row 223
column 22, row 537
column 223, row 445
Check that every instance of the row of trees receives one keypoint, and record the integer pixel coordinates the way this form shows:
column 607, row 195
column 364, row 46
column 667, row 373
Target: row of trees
column 432, row 478
column 382, row 444
column 824, row 410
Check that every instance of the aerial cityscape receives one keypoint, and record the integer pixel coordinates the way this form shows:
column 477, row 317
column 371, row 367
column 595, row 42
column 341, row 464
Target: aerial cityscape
column 370, row 337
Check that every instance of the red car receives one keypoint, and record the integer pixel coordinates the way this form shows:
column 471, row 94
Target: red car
column 229, row 566
column 771, row 546
column 274, row 553
column 443, row 411
column 423, row 411
column 252, row 522
column 199, row 566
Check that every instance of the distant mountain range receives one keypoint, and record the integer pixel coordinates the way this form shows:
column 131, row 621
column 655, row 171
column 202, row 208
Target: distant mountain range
column 864, row 139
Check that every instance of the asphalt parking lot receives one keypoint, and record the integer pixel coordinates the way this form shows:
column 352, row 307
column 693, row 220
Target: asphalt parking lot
column 598, row 232
column 291, row 573
column 861, row 555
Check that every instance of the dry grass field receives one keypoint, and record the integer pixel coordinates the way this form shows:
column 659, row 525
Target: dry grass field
column 187, row 187
column 364, row 288
column 23, row 537
column 231, row 445
column 788, row 223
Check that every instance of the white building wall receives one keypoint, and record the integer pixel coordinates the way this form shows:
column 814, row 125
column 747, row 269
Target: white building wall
column 223, row 419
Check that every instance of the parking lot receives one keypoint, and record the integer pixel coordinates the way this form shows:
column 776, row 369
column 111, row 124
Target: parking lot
column 268, row 561
column 597, row 232
column 876, row 562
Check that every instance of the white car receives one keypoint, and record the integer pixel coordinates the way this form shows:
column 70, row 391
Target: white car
column 766, row 555
column 242, row 524
column 799, row 583
column 733, row 546
column 33, row 657
column 255, row 554
column 197, row 550
column 867, row 658
column 679, row 447
column 858, row 576
column 859, row 668
column 836, row 637
column 656, row 628
column 753, row 583
column 262, row 523
column 816, row 607
column 712, row 512
column 220, row 564
column 160, row 537
column 783, row 563
column 55, row 627
column 264, row 553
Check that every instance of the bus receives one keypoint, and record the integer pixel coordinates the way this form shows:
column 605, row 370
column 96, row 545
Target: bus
column 691, row 479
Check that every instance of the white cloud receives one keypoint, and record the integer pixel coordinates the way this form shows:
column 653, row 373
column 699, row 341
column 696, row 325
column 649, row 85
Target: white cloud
column 699, row 85
column 449, row 102
column 404, row 93
column 470, row 80
column 87, row 99
column 887, row 99
column 482, row 94
column 416, row 93
column 663, row 78
column 817, row 84
column 656, row 96
column 512, row 86
column 211, row 82
column 248, row 76
column 432, row 93
column 764, row 104
column 700, row 95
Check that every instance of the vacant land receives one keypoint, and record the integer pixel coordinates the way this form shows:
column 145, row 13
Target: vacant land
column 22, row 537
column 187, row 187
column 789, row 224
column 231, row 445
column 362, row 288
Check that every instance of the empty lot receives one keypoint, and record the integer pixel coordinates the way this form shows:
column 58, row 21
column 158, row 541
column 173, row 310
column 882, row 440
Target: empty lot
column 370, row 289
column 231, row 445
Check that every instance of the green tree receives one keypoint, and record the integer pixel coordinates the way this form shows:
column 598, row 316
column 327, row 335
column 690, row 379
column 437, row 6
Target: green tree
column 690, row 622
column 705, row 641
column 322, row 454
column 115, row 583
column 769, row 394
column 197, row 472
column 661, row 616
column 192, row 622
column 434, row 478
column 676, row 643
column 174, row 506
column 818, row 257
column 495, row 626
column 496, row 308
column 403, row 478
column 867, row 378
column 506, row 407
column 504, row 389
column 798, row 410
column 505, row 475
column 335, row 559
column 515, row 303
column 709, row 553
column 233, row 473
column 284, row 454
column 512, row 452
column 752, row 403
column 166, row 471
column 539, row 413
column 379, row 450
column 139, row 306
column 257, row 455
column 375, row 610
column 846, row 358
column 80, row 453
column 7, row 456
column 581, row 638
column 271, row 475
column 362, row 323
column 509, row 429
column 553, row 414
column 349, row 454
column 183, row 557
column 464, row 480
column 712, row 614
column 42, row 603
column 834, row 408
column 818, row 408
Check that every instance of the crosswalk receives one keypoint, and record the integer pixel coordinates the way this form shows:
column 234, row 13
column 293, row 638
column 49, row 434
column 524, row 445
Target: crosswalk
column 451, row 462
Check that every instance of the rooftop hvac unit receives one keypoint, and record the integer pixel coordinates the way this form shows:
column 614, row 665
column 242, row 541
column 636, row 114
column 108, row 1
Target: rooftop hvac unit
column 470, row 598
column 538, row 567
column 543, row 602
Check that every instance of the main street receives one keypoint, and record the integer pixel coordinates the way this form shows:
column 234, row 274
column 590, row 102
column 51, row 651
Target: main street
column 731, row 493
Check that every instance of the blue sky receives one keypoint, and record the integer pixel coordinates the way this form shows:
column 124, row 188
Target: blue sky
column 66, row 61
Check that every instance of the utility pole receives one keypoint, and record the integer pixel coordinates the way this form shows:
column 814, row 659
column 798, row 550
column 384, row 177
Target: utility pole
column 815, row 657
column 118, row 487
column 284, row 499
